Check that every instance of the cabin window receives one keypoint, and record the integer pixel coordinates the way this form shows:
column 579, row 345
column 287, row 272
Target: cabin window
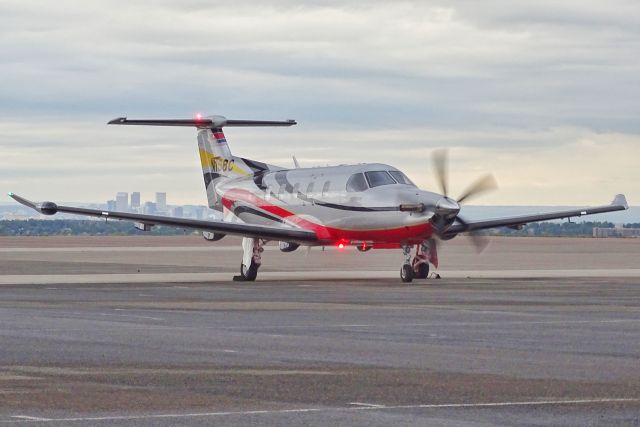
column 378, row 178
column 310, row 188
column 401, row 178
column 325, row 188
column 356, row 183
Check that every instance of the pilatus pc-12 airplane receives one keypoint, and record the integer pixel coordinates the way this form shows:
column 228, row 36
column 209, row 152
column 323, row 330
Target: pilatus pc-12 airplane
column 369, row 206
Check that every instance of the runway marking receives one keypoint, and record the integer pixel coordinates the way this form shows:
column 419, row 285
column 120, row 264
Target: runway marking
column 28, row 418
column 370, row 405
column 328, row 409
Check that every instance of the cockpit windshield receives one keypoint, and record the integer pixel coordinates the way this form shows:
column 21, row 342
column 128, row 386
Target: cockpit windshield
column 378, row 178
column 360, row 182
column 401, row 178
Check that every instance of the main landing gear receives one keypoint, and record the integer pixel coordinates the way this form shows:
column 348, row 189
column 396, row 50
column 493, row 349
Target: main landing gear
column 418, row 266
column 251, row 259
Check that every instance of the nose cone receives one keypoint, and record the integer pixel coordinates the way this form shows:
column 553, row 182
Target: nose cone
column 447, row 207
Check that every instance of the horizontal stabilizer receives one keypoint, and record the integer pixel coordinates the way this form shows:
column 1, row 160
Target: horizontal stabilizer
column 210, row 122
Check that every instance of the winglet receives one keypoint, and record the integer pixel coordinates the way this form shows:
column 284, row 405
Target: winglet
column 45, row 208
column 620, row 200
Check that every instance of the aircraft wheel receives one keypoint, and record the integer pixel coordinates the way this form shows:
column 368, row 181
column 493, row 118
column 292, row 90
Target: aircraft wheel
column 423, row 271
column 406, row 273
column 249, row 274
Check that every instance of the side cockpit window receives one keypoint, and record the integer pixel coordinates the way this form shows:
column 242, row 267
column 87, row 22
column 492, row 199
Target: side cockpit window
column 401, row 178
column 356, row 183
column 378, row 178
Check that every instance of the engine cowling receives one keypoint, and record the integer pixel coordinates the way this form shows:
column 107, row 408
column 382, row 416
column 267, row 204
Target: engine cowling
column 288, row 247
column 211, row 236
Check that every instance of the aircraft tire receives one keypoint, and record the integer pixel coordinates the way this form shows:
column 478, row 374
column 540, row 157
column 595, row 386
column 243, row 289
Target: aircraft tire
column 406, row 273
column 423, row 271
column 249, row 274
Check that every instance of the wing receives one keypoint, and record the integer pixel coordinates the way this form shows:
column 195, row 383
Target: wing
column 296, row 235
column 619, row 203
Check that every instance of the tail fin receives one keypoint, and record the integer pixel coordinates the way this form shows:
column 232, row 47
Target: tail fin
column 217, row 161
column 215, row 156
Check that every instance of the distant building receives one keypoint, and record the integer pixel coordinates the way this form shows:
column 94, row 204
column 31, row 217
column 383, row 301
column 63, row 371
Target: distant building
column 150, row 208
column 177, row 212
column 135, row 201
column 616, row 232
column 161, row 202
column 111, row 205
column 122, row 201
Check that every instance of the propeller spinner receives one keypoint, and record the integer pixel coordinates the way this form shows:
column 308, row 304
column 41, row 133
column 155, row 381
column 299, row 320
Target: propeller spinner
column 447, row 209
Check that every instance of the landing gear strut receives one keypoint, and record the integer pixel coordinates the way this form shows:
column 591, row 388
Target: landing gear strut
column 420, row 262
column 251, row 260
column 406, row 272
column 418, row 266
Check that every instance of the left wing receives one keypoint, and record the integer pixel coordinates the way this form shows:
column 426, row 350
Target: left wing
column 619, row 203
column 296, row 235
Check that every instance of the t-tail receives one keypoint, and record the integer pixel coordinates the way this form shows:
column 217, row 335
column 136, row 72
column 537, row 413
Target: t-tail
column 218, row 164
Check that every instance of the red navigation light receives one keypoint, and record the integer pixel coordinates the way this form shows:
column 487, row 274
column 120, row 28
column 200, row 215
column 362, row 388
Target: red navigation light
column 341, row 246
column 198, row 116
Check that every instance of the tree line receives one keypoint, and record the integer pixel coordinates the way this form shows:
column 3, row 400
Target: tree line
column 74, row 227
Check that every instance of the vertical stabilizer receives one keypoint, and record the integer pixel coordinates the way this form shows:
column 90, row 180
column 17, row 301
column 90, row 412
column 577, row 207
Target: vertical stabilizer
column 217, row 162
column 215, row 156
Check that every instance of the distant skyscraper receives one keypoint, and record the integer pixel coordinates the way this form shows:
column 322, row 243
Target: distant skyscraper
column 122, row 201
column 135, row 200
column 149, row 208
column 161, row 202
column 177, row 212
column 111, row 205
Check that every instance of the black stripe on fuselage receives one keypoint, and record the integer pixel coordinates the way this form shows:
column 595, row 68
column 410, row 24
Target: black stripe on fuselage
column 356, row 208
column 210, row 176
column 247, row 209
column 317, row 202
column 254, row 165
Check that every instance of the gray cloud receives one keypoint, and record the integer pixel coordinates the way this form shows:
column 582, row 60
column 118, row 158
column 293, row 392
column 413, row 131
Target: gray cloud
column 486, row 77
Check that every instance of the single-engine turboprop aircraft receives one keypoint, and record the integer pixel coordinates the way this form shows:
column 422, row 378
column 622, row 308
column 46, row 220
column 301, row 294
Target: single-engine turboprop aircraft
column 369, row 206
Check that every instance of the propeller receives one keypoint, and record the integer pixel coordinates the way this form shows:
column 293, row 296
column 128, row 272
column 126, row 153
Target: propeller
column 447, row 208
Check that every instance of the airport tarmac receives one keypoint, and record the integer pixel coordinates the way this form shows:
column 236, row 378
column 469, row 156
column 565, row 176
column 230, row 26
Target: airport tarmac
column 531, row 332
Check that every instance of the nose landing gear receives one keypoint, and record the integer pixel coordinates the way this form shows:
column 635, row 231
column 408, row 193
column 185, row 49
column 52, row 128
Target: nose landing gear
column 418, row 266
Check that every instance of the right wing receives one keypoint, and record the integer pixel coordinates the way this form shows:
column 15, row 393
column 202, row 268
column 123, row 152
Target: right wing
column 295, row 235
column 619, row 203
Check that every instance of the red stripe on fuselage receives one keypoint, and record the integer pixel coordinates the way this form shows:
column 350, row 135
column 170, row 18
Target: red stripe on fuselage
column 411, row 234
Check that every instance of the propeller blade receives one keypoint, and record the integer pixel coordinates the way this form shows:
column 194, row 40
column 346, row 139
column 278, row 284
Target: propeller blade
column 440, row 168
column 480, row 241
column 481, row 185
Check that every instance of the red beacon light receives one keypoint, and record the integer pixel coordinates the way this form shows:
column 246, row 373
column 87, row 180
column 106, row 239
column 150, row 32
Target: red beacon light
column 198, row 116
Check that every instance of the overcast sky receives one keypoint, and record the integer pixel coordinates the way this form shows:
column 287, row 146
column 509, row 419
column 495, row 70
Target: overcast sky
column 545, row 94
